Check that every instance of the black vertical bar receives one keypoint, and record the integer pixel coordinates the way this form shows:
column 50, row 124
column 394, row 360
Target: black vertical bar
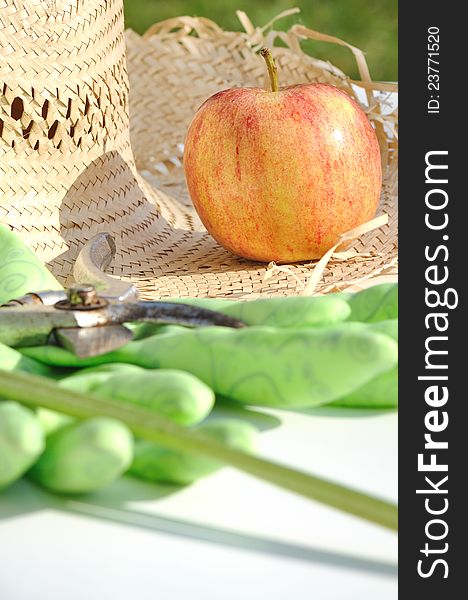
column 432, row 120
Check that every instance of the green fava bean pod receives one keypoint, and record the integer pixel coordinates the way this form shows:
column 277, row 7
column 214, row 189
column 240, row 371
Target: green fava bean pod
column 21, row 441
column 20, row 271
column 156, row 463
column 382, row 391
column 317, row 311
column 259, row 365
column 376, row 303
column 51, row 420
column 87, row 379
column 12, row 360
column 272, row 367
column 297, row 311
column 177, row 395
column 83, row 380
column 56, row 356
column 84, row 456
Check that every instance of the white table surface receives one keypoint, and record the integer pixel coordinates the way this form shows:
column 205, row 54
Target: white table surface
column 227, row 537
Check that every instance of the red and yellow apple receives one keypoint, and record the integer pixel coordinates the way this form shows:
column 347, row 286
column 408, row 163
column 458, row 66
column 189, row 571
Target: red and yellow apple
column 279, row 174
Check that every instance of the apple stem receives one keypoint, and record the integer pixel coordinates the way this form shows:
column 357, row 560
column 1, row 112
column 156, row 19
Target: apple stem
column 272, row 72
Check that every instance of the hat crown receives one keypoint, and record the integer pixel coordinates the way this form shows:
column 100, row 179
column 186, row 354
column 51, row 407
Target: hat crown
column 63, row 77
column 66, row 165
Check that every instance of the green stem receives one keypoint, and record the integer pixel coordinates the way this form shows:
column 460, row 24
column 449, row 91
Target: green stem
column 272, row 71
column 39, row 391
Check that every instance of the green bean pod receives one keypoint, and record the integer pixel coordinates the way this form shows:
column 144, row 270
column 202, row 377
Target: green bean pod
column 21, row 441
column 381, row 392
column 12, row 360
column 156, row 463
column 376, row 303
column 177, row 395
column 51, row 420
column 294, row 311
column 84, row 456
column 89, row 378
column 317, row 311
column 264, row 366
column 56, row 356
column 260, row 365
column 21, row 271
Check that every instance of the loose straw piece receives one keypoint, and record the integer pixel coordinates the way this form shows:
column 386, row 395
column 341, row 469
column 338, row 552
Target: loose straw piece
column 251, row 30
column 345, row 237
column 305, row 32
column 245, row 22
column 381, row 275
column 273, row 269
column 282, row 15
column 380, row 86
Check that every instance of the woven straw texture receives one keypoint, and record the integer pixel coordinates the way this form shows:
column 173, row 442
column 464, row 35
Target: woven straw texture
column 68, row 169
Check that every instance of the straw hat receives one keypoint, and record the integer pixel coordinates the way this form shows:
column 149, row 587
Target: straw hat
column 72, row 165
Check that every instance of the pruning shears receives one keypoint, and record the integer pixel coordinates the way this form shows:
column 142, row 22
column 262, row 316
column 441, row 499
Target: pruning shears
column 89, row 318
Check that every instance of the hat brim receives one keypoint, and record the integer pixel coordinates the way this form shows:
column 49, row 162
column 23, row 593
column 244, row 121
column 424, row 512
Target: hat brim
column 171, row 73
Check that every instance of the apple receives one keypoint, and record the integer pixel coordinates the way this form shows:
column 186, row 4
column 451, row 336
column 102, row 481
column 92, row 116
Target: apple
column 278, row 175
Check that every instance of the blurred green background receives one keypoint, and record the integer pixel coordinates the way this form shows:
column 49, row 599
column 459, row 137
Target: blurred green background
column 368, row 24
